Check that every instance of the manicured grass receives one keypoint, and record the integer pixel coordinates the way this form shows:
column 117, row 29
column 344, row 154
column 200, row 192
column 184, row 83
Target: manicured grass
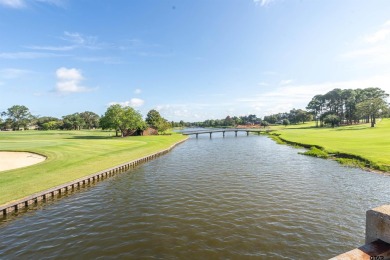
column 364, row 141
column 70, row 155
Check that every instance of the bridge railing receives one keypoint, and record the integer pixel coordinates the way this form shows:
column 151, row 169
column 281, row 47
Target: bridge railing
column 211, row 131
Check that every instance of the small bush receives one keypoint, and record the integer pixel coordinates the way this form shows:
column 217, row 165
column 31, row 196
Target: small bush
column 351, row 162
column 315, row 152
column 277, row 139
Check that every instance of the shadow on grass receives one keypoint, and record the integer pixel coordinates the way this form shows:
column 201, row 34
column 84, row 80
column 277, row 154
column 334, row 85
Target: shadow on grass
column 350, row 129
column 305, row 127
column 337, row 128
column 91, row 137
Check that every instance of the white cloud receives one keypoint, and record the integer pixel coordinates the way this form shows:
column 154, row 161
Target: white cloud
column 263, row 2
column 74, row 37
column 284, row 98
column 102, row 59
column 134, row 102
column 28, row 55
column 13, row 73
column 379, row 35
column 366, row 52
column 59, row 3
column 286, row 82
column 373, row 50
column 75, row 40
column 68, row 81
column 69, row 74
column 53, row 48
column 18, row 4
column 175, row 111
column 137, row 91
column 280, row 99
column 82, row 41
column 13, row 3
column 196, row 111
column 377, row 55
column 154, row 54
column 69, row 87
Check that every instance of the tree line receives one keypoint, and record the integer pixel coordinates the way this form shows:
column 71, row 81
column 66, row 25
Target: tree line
column 295, row 116
column 229, row 121
column 124, row 120
column 336, row 107
column 349, row 106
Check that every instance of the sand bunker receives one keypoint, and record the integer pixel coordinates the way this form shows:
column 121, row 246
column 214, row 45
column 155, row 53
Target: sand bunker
column 13, row 160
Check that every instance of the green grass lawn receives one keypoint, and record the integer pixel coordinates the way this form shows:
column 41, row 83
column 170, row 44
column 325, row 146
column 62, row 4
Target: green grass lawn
column 70, row 155
column 362, row 140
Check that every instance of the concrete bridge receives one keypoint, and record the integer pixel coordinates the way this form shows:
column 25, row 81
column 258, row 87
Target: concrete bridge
column 223, row 131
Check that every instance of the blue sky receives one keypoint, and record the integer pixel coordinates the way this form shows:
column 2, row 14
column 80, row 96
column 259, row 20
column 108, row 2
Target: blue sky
column 191, row 60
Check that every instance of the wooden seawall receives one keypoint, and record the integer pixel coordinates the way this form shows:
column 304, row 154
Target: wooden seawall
column 75, row 184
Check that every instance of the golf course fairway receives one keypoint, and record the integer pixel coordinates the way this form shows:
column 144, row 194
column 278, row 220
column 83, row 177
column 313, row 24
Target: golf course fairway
column 370, row 143
column 70, row 155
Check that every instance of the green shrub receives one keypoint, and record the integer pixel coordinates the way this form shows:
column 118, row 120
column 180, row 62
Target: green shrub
column 351, row 162
column 315, row 152
column 277, row 139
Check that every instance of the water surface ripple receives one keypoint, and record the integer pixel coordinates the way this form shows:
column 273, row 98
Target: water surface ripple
column 224, row 198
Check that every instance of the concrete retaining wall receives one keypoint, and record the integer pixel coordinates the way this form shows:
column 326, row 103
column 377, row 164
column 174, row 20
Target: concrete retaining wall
column 75, row 184
column 377, row 237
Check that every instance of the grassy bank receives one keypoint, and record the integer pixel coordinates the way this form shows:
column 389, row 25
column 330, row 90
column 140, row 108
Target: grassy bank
column 359, row 145
column 70, row 155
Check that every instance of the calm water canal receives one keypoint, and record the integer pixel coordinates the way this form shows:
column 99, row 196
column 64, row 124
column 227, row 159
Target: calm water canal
column 224, row 198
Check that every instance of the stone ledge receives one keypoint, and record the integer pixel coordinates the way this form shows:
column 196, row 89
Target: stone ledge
column 374, row 250
column 378, row 224
column 377, row 237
